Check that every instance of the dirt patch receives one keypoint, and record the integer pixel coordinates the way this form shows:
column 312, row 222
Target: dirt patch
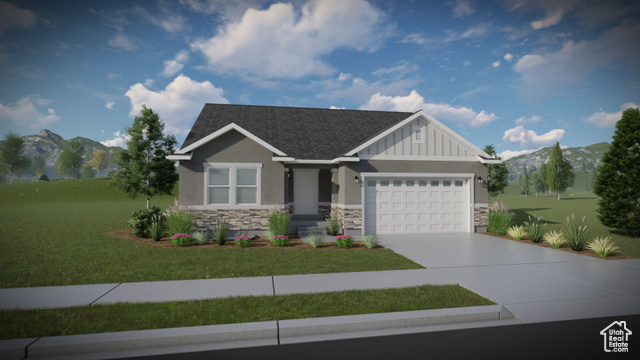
column 564, row 248
column 262, row 243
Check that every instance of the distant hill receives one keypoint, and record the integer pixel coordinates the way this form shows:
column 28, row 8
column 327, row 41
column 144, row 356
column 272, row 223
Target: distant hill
column 50, row 145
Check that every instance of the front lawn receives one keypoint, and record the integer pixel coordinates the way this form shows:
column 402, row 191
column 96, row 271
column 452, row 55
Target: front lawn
column 125, row 317
column 56, row 234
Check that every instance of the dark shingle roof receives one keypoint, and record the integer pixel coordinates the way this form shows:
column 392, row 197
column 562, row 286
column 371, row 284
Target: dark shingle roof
column 302, row 133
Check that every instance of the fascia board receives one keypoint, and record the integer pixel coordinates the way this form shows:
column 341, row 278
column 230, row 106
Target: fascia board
column 177, row 157
column 223, row 131
column 489, row 161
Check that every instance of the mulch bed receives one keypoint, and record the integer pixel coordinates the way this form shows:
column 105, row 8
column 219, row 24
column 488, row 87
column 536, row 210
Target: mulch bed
column 261, row 242
column 564, row 248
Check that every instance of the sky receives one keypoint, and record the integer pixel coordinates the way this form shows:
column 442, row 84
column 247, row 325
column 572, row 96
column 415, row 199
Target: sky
column 517, row 74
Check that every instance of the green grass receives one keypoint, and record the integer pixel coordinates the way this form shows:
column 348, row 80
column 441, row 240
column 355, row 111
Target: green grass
column 125, row 317
column 55, row 234
column 554, row 213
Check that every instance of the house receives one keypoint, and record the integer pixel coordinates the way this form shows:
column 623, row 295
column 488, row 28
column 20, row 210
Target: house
column 379, row 172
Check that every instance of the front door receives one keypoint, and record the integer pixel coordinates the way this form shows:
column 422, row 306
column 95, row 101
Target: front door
column 305, row 197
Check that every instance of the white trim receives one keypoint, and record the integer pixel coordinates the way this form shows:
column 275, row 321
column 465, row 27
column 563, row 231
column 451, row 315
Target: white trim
column 223, row 131
column 383, row 134
column 345, row 159
column 416, row 175
column 231, row 207
column 417, row 158
column 489, row 161
column 175, row 157
column 233, row 167
column 414, row 134
column 290, row 160
column 346, row 207
column 316, row 190
column 480, row 205
column 282, row 158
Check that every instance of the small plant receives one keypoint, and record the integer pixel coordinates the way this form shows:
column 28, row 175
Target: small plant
column 535, row 229
column 344, row 241
column 280, row 240
column 603, row 246
column 516, row 232
column 315, row 239
column 279, row 222
column 200, row 237
column 370, row 241
column 499, row 218
column 180, row 239
column 158, row 226
column 554, row 238
column 141, row 221
column 242, row 241
column 576, row 233
column 220, row 232
column 334, row 226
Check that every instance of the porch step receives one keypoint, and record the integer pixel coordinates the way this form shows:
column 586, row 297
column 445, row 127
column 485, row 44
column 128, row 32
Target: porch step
column 306, row 231
column 300, row 223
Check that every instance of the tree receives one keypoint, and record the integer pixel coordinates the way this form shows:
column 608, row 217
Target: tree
column 592, row 176
column 87, row 171
column 525, row 181
column 497, row 174
column 144, row 168
column 12, row 159
column 617, row 182
column 39, row 166
column 71, row 157
column 99, row 161
column 559, row 174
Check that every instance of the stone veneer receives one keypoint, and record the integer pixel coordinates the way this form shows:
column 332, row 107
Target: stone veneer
column 481, row 216
column 350, row 219
column 324, row 210
column 238, row 219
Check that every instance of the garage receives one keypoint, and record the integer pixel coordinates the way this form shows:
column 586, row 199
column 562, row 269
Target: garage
column 417, row 205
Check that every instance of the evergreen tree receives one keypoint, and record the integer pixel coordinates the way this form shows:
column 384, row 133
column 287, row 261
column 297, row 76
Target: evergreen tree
column 12, row 159
column 617, row 182
column 497, row 174
column 144, row 168
column 559, row 172
column 71, row 158
column 525, row 181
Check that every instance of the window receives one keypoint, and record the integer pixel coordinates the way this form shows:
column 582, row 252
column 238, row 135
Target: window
column 459, row 183
column 232, row 184
column 446, row 183
column 409, row 183
column 397, row 183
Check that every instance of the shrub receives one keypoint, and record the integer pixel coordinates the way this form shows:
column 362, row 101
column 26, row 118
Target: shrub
column 44, row 178
column 180, row 239
column 499, row 218
column 179, row 221
column 603, row 246
column 554, row 238
column 279, row 222
column 333, row 227
column 370, row 241
column 576, row 233
column 344, row 241
column 535, row 229
column 141, row 221
column 516, row 232
column 315, row 239
column 220, row 231
column 280, row 240
column 200, row 237
column 242, row 241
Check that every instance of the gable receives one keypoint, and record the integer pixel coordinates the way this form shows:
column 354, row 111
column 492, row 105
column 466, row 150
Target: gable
column 419, row 139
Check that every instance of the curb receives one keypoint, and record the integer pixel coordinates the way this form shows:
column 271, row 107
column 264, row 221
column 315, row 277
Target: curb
column 229, row 336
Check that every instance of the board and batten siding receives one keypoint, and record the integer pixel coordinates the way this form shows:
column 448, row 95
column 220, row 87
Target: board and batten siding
column 435, row 142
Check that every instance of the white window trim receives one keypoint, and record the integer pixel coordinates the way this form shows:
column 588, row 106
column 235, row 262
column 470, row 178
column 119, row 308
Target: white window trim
column 233, row 167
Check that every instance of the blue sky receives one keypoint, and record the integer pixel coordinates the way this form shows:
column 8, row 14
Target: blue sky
column 518, row 74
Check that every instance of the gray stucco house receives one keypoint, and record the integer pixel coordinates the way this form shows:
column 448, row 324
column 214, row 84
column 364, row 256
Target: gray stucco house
column 379, row 172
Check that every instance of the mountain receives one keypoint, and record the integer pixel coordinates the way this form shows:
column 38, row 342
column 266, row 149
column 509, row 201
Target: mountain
column 50, row 145
column 583, row 159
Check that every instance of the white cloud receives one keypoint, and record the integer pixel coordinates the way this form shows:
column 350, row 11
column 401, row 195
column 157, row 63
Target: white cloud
column 415, row 38
column 358, row 90
column 120, row 140
column 336, row 108
column 528, row 139
column 462, row 116
column 463, row 8
column 553, row 17
column 175, row 65
column 178, row 104
column 110, row 105
column 554, row 10
column 13, row 17
column 528, row 120
column 280, row 42
column 496, row 63
column 403, row 67
column 30, row 110
column 165, row 19
column 122, row 41
column 508, row 154
column 508, row 57
column 603, row 119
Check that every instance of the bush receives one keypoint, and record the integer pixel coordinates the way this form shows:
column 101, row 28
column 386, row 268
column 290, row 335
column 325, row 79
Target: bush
column 534, row 228
column 499, row 218
column 179, row 219
column 370, row 241
column 279, row 222
column 180, row 239
column 333, row 227
column 603, row 246
column 242, row 241
column 516, row 232
column 200, row 237
column 554, row 238
column 344, row 241
column 44, row 178
column 315, row 240
column 576, row 233
column 220, row 232
column 280, row 240
column 141, row 221
column 158, row 227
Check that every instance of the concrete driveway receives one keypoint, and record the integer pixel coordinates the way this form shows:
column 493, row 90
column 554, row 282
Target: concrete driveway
column 537, row 284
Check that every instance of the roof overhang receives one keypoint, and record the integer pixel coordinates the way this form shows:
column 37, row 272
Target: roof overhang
column 489, row 161
column 225, row 130
column 290, row 160
column 178, row 157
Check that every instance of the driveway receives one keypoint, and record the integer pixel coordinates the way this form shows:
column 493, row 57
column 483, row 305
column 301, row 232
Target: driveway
column 537, row 284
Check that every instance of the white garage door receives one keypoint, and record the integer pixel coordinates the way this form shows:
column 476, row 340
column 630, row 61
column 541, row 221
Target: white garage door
column 416, row 205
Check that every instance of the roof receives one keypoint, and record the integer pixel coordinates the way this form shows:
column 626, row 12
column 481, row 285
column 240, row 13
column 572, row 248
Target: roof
column 301, row 133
